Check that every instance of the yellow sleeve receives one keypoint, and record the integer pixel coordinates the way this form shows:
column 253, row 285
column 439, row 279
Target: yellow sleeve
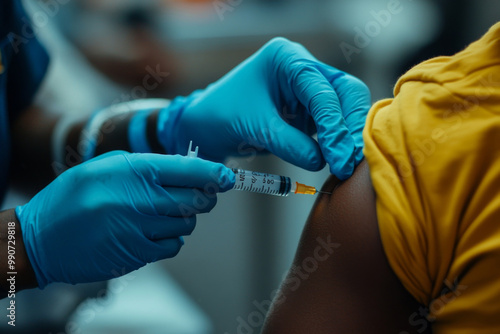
column 434, row 157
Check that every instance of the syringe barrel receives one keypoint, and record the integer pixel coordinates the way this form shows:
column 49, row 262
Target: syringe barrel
column 262, row 183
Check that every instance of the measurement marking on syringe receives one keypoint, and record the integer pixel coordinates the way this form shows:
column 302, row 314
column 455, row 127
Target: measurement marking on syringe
column 269, row 184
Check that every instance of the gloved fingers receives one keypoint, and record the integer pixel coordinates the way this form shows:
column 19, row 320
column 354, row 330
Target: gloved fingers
column 292, row 145
column 339, row 151
column 354, row 95
column 355, row 100
column 165, row 248
column 282, row 49
column 183, row 202
column 168, row 227
column 322, row 102
column 179, row 171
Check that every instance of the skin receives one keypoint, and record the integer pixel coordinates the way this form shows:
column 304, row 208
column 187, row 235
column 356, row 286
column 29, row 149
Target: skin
column 353, row 289
column 25, row 278
column 31, row 164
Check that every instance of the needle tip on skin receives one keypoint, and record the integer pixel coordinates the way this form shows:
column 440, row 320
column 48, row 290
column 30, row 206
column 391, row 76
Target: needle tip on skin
column 324, row 192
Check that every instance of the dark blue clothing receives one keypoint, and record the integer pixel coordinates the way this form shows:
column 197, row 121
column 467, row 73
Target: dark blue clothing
column 23, row 66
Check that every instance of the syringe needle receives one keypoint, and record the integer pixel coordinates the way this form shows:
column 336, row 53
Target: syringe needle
column 323, row 192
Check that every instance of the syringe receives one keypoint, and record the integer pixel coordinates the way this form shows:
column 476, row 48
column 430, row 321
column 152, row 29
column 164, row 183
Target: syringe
column 270, row 184
column 264, row 183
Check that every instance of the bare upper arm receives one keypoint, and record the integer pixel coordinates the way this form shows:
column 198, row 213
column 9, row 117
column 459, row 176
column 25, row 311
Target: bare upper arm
column 340, row 281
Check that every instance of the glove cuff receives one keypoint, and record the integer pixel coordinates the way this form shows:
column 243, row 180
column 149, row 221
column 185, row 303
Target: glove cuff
column 138, row 126
column 168, row 119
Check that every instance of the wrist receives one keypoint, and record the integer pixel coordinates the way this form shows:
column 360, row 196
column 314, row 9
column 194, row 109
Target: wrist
column 16, row 272
column 121, row 126
column 142, row 129
column 152, row 132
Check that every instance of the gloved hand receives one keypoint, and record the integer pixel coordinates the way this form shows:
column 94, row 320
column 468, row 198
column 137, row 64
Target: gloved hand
column 274, row 100
column 116, row 213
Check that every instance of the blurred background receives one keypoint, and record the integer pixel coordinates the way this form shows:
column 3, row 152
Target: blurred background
column 224, row 277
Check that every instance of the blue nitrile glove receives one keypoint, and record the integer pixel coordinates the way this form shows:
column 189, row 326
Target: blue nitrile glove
column 274, row 100
column 116, row 213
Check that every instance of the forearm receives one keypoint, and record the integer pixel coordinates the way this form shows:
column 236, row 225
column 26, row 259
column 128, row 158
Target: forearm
column 114, row 134
column 16, row 273
column 33, row 163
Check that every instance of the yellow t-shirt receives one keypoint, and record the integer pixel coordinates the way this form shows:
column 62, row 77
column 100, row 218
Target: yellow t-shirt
column 434, row 157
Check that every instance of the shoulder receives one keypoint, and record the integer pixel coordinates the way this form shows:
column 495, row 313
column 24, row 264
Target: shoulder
column 340, row 277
